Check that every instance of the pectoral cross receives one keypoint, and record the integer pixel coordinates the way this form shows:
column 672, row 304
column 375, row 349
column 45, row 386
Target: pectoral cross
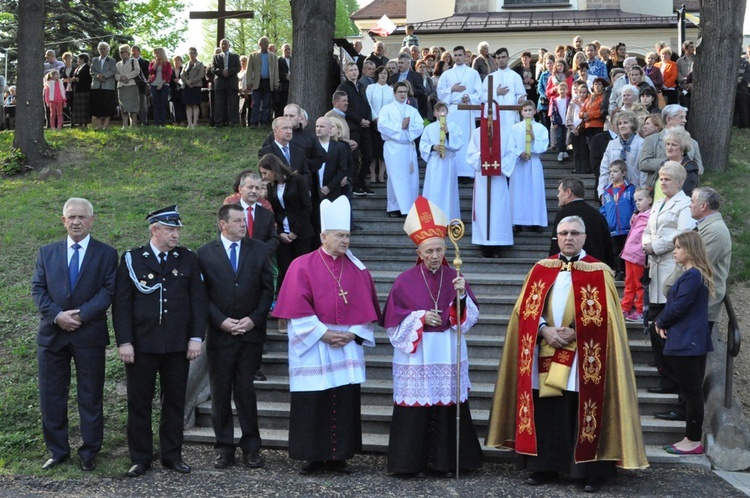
column 439, row 312
column 342, row 294
column 490, row 132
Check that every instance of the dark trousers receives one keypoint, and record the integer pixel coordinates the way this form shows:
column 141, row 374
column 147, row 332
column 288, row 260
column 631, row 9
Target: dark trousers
column 261, row 112
column 669, row 379
column 231, row 372
column 690, row 371
column 54, row 385
column 286, row 253
column 160, row 104
column 364, row 146
column 580, row 152
column 742, row 108
column 227, row 108
column 141, row 380
column 246, row 105
column 560, row 133
column 618, row 244
column 279, row 102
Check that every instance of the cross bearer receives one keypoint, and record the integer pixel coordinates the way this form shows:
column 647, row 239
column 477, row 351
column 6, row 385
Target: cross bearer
column 329, row 298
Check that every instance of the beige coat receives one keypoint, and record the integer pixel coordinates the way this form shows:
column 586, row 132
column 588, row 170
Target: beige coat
column 253, row 71
column 668, row 219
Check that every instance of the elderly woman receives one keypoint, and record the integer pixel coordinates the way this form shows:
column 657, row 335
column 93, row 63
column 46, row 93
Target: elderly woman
column 192, row 79
column 629, row 100
column 483, row 64
column 670, row 216
column 103, row 87
column 677, row 145
column 175, row 91
column 627, row 147
column 653, row 72
column 127, row 89
column 66, row 75
column 81, row 114
column 669, row 73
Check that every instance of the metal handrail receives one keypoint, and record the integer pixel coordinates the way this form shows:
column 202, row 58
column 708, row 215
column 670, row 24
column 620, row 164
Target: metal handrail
column 734, row 339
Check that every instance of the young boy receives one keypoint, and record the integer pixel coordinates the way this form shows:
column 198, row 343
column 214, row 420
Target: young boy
column 528, row 200
column 618, row 205
column 558, row 107
column 441, row 177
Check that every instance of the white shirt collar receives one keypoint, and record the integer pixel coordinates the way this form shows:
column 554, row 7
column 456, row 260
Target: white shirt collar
column 84, row 243
column 226, row 242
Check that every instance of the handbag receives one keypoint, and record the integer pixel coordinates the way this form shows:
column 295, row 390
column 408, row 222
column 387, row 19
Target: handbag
column 140, row 82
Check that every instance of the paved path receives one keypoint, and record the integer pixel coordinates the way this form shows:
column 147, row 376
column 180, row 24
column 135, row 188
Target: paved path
column 280, row 478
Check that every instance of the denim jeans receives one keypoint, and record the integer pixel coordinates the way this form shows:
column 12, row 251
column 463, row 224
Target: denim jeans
column 160, row 100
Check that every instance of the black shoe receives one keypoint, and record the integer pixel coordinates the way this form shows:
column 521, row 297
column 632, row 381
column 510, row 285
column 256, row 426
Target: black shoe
column 223, row 460
column 394, row 214
column 670, row 415
column 536, row 229
column 177, row 466
column 311, row 468
column 368, row 191
column 356, row 228
column 88, row 465
column 53, row 462
column 661, row 390
column 592, row 484
column 539, row 478
column 138, row 469
column 359, row 192
column 620, row 276
column 339, row 466
column 259, row 376
column 487, row 252
column 516, row 229
column 252, row 459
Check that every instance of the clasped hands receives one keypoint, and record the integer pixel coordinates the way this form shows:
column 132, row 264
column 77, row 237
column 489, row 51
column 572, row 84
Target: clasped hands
column 337, row 339
column 237, row 326
column 69, row 320
column 558, row 337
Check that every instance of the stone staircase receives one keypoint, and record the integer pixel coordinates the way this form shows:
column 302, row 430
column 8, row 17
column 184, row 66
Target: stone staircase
column 386, row 250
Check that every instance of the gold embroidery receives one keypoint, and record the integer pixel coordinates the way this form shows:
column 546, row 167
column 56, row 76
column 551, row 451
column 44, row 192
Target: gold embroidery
column 425, row 218
column 563, row 357
column 534, row 301
column 588, row 432
column 566, row 266
column 527, row 343
column 524, row 414
column 592, row 362
column 591, row 308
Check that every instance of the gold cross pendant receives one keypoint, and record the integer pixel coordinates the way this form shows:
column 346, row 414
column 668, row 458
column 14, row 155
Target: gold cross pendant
column 342, row 294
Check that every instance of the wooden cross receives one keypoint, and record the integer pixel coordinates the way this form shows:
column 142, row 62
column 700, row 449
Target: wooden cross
column 221, row 15
column 490, row 101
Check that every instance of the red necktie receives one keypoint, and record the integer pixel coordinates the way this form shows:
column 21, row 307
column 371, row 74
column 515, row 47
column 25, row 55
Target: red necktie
column 250, row 222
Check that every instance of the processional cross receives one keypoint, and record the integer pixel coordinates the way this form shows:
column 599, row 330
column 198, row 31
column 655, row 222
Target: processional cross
column 221, row 15
column 490, row 140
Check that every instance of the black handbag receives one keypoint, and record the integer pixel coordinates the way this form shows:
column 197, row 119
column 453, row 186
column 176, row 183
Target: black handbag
column 140, row 81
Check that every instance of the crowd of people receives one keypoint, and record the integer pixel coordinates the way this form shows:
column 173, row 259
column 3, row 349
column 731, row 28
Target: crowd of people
column 289, row 253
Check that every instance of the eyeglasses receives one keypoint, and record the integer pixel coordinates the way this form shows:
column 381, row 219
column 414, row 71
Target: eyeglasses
column 572, row 233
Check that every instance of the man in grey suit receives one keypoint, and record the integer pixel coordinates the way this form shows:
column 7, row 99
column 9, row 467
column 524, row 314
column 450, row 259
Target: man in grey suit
column 73, row 286
column 237, row 274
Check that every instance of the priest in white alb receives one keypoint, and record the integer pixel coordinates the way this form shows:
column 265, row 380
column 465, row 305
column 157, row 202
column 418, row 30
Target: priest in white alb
column 439, row 145
column 329, row 299
column 461, row 85
column 421, row 317
column 400, row 125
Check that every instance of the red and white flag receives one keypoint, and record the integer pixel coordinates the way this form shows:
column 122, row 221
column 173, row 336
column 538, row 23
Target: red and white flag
column 383, row 27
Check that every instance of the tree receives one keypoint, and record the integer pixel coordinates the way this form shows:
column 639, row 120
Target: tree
column 29, row 135
column 312, row 78
column 720, row 33
column 153, row 23
column 344, row 25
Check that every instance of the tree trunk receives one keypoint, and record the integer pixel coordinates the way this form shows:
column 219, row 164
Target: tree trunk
column 29, row 135
column 313, row 26
column 715, row 80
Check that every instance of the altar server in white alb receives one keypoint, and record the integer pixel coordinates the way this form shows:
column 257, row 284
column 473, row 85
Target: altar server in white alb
column 439, row 146
column 421, row 317
column 507, row 90
column 400, row 125
column 461, row 85
column 528, row 199
column 330, row 301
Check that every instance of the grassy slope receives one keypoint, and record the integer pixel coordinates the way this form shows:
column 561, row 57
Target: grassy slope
column 125, row 174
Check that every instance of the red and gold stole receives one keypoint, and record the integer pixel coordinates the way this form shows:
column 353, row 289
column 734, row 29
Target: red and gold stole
column 589, row 294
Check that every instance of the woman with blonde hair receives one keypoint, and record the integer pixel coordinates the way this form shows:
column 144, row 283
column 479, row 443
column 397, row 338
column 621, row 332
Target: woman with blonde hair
column 650, row 124
column 677, row 145
column 683, row 325
column 159, row 75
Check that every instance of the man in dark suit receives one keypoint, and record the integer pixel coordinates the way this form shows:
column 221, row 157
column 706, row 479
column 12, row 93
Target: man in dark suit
column 358, row 116
column 281, row 96
column 225, row 66
column 143, row 98
column 72, row 286
column 405, row 73
column 570, row 197
column 334, row 169
column 159, row 313
column 301, row 137
column 239, row 282
column 292, row 155
column 378, row 55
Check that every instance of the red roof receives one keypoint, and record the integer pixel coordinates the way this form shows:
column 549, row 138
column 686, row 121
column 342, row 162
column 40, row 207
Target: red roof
column 394, row 9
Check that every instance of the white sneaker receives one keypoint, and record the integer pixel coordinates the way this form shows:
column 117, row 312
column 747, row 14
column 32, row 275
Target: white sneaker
column 560, row 157
column 565, row 155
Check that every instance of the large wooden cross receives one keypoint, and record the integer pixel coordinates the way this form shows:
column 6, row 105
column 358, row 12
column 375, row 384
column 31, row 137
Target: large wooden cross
column 221, row 15
column 490, row 132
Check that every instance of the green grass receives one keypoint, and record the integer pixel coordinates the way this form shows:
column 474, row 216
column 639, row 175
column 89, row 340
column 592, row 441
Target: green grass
column 125, row 174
